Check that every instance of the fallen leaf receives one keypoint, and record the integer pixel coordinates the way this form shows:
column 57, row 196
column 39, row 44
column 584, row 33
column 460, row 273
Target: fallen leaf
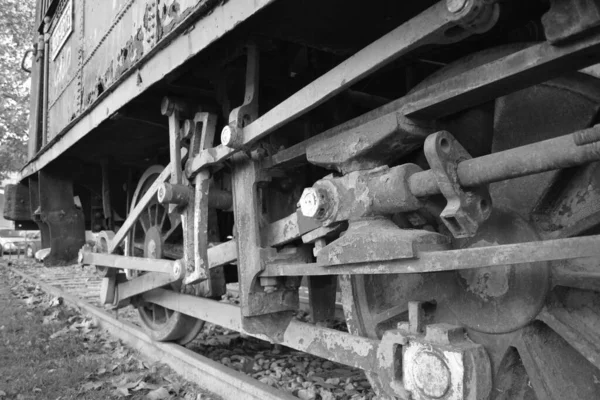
column 59, row 333
column 146, row 386
column 121, row 392
column 158, row 394
column 56, row 301
column 91, row 386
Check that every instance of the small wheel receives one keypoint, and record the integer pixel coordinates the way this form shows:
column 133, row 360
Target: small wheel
column 156, row 236
column 29, row 253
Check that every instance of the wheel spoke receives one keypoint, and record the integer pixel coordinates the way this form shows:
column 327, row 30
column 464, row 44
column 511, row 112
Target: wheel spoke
column 168, row 234
column 581, row 273
column 149, row 211
column 578, row 324
column 163, row 219
column 143, row 224
column 556, row 371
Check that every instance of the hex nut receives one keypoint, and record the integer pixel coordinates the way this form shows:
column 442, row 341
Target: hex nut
column 314, row 203
column 231, row 136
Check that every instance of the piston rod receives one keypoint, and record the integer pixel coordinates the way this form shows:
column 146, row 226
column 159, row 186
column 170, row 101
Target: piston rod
column 562, row 152
column 400, row 189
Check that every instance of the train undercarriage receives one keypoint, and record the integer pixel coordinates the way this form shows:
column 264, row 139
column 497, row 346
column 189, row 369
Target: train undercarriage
column 443, row 178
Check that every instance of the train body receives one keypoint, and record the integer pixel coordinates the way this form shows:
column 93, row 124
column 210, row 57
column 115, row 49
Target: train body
column 433, row 163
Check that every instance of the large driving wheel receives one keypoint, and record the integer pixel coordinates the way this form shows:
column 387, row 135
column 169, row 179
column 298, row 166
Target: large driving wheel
column 156, row 236
column 539, row 322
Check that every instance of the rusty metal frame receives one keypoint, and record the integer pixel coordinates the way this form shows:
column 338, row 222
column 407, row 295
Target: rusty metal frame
column 338, row 346
column 212, row 27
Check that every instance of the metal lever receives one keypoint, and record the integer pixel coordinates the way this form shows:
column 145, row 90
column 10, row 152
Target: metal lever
column 466, row 209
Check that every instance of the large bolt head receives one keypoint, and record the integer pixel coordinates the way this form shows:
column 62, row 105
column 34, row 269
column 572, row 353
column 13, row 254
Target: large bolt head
column 231, row 136
column 431, row 374
column 178, row 271
column 455, row 6
column 313, row 203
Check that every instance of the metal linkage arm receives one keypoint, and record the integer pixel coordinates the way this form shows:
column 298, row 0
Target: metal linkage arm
column 567, row 151
column 401, row 189
column 429, row 27
column 452, row 260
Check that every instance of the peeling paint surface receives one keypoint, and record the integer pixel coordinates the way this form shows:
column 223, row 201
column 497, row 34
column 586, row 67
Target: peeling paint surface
column 110, row 39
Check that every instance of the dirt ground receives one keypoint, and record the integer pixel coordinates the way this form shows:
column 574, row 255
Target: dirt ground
column 49, row 351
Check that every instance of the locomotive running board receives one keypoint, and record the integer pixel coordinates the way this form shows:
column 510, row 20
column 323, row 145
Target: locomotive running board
column 452, row 260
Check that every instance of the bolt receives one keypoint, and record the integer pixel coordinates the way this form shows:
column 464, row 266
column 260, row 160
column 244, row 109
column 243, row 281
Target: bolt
column 314, row 203
column 431, row 374
column 269, row 284
column 178, row 271
column 231, row 137
column 456, row 6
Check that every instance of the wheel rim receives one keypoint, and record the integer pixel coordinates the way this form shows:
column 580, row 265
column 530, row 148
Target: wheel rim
column 154, row 235
column 550, row 349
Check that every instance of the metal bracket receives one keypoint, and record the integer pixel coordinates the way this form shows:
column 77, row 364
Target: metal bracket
column 429, row 362
column 568, row 19
column 466, row 208
column 243, row 115
column 199, row 213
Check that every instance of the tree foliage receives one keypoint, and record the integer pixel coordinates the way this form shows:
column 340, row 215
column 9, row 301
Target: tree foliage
column 16, row 33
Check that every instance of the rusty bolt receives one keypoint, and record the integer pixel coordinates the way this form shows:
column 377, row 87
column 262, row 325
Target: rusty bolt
column 456, row 6
column 231, row 136
column 314, row 203
column 178, row 271
column 187, row 129
column 269, row 284
column 431, row 374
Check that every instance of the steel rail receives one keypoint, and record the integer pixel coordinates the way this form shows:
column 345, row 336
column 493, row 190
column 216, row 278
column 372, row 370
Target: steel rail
column 206, row 373
column 452, row 260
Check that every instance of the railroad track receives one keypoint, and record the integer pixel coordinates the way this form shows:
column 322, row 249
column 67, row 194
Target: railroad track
column 79, row 288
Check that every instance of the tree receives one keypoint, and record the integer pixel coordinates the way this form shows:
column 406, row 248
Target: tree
column 17, row 19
